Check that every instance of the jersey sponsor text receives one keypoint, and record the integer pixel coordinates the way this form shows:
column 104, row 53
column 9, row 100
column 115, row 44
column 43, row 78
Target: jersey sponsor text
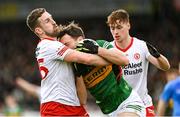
column 133, row 68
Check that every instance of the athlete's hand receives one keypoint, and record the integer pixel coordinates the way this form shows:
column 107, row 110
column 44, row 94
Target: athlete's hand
column 76, row 70
column 154, row 52
column 82, row 69
column 88, row 47
column 80, row 47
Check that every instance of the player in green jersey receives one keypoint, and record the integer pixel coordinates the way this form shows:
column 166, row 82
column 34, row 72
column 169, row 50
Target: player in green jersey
column 112, row 93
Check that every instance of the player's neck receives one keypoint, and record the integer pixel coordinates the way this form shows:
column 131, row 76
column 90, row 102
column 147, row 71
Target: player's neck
column 124, row 43
column 49, row 38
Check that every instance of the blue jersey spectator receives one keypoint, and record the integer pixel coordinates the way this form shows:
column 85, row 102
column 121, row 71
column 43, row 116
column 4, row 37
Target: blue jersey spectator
column 172, row 91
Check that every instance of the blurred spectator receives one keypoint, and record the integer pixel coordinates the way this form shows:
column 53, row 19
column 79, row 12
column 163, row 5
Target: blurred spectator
column 12, row 107
column 32, row 89
column 171, row 91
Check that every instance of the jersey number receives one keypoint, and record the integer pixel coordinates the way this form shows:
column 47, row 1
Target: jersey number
column 44, row 71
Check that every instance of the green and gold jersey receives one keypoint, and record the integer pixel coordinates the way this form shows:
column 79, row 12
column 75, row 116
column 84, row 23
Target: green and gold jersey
column 102, row 83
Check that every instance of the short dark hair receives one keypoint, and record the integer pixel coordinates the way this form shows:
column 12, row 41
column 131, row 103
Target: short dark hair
column 32, row 18
column 119, row 14
column 72, row 29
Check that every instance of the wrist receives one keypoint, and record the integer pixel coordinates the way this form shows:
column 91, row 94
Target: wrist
column 95, row 49
column 158, row 56
column 101, row 51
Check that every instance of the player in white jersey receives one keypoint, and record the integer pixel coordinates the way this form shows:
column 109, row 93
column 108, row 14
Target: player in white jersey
column 58, row 89
column 139, row 54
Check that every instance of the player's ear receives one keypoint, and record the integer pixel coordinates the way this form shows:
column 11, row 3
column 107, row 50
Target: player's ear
column 129, row 25
column 80, row 38
column 38, row 31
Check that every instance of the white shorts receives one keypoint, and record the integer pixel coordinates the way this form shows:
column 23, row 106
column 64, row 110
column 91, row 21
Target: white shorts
column 132, row 104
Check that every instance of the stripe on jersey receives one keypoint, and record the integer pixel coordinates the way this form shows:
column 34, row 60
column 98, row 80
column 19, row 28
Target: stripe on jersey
column 106, row 44
column 61, row 52
column 136, row 107
column 40, row 60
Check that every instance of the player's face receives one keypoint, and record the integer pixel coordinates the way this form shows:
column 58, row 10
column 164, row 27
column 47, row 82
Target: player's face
column 48, row 25
column 120, row 30
column 69, row 41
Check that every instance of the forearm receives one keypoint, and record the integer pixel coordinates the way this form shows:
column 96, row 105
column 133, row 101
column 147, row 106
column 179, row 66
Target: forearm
column 158, row 59
column 28, row 87
column 96, row 60
column 84, row 58
column 113, row 55
column 161, row 107
column 81, row 90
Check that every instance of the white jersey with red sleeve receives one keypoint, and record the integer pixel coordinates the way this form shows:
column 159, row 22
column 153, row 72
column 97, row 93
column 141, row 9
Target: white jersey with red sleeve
column 135, row 73
column 58, row 83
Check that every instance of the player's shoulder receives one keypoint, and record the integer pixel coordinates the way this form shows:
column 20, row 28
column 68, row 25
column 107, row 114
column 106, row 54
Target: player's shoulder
column 139, row 41
column 49, row 47
column 49, row 44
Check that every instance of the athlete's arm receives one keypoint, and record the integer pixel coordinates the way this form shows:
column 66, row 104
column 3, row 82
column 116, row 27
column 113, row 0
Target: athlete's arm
column 113, row 55
column 164, row 98
column 160, row 62
column 84, row 58
column 28, row 87
column 161, row 107
column 156, row 58
column 81, row 90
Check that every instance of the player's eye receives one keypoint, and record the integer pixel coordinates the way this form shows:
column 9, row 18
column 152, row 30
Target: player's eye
column 47, row 20
column 119, row 27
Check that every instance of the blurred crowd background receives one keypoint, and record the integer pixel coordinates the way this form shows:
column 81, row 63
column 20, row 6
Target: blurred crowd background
column 155, row 21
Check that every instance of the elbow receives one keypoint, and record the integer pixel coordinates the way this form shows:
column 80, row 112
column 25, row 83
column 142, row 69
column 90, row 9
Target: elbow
column 167, row 67
column 164, row 63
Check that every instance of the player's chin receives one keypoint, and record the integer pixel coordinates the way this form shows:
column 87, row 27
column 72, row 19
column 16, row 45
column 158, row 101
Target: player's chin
column 116, row 39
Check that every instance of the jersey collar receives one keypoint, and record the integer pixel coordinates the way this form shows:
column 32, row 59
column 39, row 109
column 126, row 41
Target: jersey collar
column 48, row 38
column 125, row 49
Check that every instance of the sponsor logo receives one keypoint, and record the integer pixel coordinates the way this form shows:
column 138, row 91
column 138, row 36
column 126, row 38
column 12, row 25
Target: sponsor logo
column 137, row 56
column 133, row 65
column 133, row 68
column 96, row 75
